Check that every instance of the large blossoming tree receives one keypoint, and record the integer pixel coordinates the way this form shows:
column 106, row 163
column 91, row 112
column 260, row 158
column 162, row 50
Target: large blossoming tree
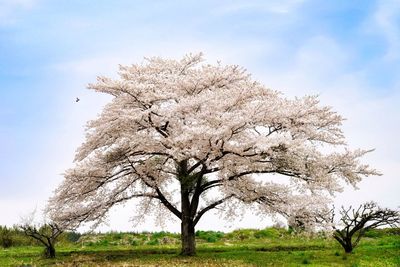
column 187, row 138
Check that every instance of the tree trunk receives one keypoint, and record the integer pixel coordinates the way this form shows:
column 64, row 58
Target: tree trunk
column 187, row 211
column 188, row 237
column 187, row 227
column 50, row 252
column 348, row 248
column 344, row 241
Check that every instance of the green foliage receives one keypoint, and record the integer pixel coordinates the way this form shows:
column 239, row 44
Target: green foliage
column 157, row 235
column 267, row 233
column 117, row 236
column 153, row 242
column 134, row 242
column 13, row 236
column 305, row 261
column 6, row 239
column 291, row 230
column 163, row 234
column 72, row 237
column 241, row 234
column 377, row 233
column 210, row 236
column 372, row 233
column 103, row 242
column 69, row 238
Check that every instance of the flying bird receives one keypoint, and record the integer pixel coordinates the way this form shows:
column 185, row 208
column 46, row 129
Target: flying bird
column 77, row 100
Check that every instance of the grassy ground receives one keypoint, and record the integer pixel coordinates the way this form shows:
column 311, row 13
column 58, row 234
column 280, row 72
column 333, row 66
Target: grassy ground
column 240, row 248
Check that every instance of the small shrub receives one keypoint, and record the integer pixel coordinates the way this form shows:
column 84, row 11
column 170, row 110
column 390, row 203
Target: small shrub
column 373, row 233
column 291, row 231
column 103, row 242
column 117, row 236
column 377, row 233
column 337, row 253
column 391, row 231
column 73, row 237
column 212, row 239
column 157, row 235
column 267, row 233
column 210, row 236
column 241, row 234
column 396, row 244
column 305, row 261
column 6, row 239
column 134, row 242
column 168, row 240
column 153, row 242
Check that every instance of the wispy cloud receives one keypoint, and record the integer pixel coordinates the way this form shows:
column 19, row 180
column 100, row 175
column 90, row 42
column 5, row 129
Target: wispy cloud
column 320, row 66
column 274, row 6
column 9, row 9
column 387, row 19
column 296, row 54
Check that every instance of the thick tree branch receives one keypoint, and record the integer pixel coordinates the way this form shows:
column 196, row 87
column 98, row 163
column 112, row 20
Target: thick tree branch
column 167, row 204
column 209, row 207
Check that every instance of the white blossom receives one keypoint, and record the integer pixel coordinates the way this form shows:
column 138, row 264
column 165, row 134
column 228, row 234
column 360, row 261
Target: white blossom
column 183, row 126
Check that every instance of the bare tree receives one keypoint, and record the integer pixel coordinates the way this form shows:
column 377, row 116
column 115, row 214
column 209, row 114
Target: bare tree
column 355, row 222
column 46, row 234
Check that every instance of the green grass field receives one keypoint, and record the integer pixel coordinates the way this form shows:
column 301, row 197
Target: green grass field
column 269, row 247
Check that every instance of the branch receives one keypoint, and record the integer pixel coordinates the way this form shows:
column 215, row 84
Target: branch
column 167, row 204
column 41, row 235
column 211, row 206
column 161, row 130
column 196, row 195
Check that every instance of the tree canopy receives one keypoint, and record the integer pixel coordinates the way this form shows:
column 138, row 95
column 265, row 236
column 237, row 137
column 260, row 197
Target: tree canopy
column 186, row 137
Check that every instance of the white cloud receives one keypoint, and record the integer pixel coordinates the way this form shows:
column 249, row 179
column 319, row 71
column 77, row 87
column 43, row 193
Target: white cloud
column 319, row 66
column 387, row 24
column 274, row 6
column 85, row 69
column 372, row 117
column 10, row 8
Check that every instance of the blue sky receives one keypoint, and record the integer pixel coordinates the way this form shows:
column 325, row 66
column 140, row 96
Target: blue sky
column 346, row 51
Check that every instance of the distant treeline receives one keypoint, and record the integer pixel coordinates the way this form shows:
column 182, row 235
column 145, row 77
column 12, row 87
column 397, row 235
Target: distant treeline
column 13, row 236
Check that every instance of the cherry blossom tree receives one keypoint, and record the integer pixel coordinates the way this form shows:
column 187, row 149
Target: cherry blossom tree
column 187, row 137
column 309, row 214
